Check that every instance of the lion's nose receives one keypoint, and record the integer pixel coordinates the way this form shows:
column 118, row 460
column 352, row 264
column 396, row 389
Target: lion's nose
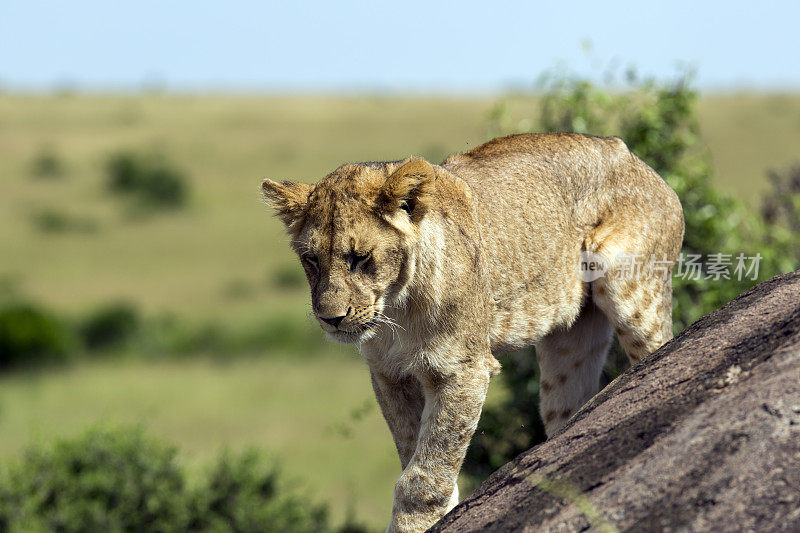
column 333, row 321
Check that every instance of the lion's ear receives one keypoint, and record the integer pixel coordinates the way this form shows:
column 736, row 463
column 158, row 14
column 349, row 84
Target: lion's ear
column 409, row 188
column 289, row 199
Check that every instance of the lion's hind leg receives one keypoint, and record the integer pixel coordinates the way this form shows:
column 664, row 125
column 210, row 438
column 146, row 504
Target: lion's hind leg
column 635, row 290
column 639, row 306
column 571, row 361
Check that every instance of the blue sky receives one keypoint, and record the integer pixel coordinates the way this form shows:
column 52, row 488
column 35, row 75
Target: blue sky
column 419, row 46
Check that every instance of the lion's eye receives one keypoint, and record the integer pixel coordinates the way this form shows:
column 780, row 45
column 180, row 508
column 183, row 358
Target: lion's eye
column 312, row 261
column 357, row 259
column 408, row 206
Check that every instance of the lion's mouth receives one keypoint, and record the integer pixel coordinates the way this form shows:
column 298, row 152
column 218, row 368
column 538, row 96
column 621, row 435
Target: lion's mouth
column 355, row 333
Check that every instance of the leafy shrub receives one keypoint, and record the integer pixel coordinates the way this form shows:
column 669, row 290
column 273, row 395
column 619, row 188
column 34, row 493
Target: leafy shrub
column 658, row 123
column 29, row 335
column 148, row 177
column 781, row 211
column 243, row 494
column 102, row 481
column 123, row 480
column 168, row 334
column 47, row 163
column 110, row 326
column 55, row 221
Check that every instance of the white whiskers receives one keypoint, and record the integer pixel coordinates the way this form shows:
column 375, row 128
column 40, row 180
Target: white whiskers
column 381, row 318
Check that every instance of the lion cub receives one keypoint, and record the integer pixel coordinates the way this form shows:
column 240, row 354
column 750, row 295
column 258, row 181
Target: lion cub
column 433, row 270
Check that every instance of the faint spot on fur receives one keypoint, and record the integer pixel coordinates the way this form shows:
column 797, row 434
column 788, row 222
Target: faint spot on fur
column 627, row 292
column 601, row 290
column 654, row 331
column 647, row 299
column 637, row 344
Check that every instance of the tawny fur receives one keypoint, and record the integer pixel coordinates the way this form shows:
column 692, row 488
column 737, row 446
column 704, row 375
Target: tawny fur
column 436, row 269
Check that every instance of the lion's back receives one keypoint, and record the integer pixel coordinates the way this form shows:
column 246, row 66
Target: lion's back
column 535, row 193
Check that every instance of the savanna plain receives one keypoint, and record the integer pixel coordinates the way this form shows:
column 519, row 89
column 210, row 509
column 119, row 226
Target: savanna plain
column 223, row 259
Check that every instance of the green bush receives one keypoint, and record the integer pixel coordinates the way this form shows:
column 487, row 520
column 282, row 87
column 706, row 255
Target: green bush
column 111, row 326
column 47, row 163
column 243, row 494
column 30, row 335
column 148, row 177
column 102, row 481
column 123, row 480
column 56, row 221
column 781, row 211
column 657, row 120
column 170, row 335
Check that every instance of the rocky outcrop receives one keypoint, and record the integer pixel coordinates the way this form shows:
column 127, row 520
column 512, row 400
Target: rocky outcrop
column 702, row 435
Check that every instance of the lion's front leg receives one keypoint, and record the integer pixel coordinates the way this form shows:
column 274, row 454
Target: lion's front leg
column 401, row 401
column 426, row 490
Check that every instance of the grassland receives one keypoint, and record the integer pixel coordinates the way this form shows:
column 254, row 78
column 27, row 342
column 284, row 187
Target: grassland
column 316, row 417
column 748, row 134
column 221, row 260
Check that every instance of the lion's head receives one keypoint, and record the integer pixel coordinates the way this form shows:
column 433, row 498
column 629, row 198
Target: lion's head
column 354, row 233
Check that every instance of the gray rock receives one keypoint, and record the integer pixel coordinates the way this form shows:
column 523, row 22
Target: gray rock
column 702, row 435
